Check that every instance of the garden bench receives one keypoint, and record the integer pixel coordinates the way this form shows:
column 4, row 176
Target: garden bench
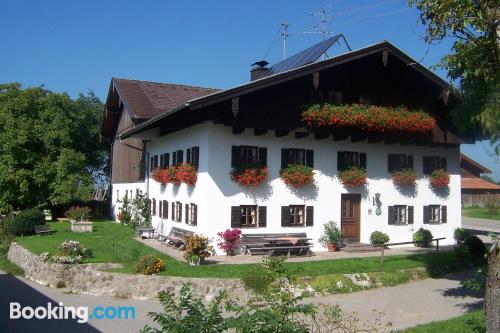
column 42, row 230
column 142, row 231
column 265, row 243
column 297, row 249
column 176, row 237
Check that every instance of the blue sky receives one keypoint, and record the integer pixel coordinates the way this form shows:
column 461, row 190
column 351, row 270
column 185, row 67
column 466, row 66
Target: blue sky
column 74, row 46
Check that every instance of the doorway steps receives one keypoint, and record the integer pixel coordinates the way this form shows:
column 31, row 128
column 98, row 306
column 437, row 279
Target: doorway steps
column 360, row 247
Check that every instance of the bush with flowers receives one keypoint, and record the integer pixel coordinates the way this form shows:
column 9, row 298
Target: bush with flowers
column 228, row 240
column 353, row 176
column 249, row 175
column 197, row 248
column 296, row 176
column 149, row 264
column 439, row 178
column 78, row 213
column 70, row 252
column 368, row 117
column 404, row 177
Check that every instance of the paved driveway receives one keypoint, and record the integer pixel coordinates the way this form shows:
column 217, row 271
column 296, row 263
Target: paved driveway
column 473, row 223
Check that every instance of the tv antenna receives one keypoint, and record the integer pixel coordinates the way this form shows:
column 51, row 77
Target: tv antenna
column 284, row 36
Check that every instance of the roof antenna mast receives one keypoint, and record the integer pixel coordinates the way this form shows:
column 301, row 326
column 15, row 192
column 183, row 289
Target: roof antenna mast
column 284, row 36
column 322, row 27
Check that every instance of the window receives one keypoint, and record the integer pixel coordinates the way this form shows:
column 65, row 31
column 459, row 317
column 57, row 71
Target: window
column 434, row 214
column 155, row 162
column 178, row 211
column 432, row 163
column 297, row 215
column 163, row 204
column 297, row 156
column 117, row 195
column 348, row 159
column 164, row 160
column 248, row 155
column 151, row 164
column 153, row 207
column 248, row 216
column 397, row 162
column 400, row 215
column 193, row 156
column 191, row 214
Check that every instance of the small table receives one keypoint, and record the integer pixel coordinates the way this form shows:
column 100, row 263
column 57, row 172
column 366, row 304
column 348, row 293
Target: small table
column 148, row 230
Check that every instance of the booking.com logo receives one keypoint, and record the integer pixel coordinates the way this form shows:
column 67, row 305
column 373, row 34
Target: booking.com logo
column 81, row 313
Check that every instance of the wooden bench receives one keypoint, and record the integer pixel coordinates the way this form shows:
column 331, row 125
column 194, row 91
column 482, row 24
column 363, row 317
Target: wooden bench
column 42, row 230
column 176, row 237
column 262, row 244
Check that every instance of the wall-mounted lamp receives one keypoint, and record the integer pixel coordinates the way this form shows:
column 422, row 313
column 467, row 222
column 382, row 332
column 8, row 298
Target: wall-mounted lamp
column 378, row 203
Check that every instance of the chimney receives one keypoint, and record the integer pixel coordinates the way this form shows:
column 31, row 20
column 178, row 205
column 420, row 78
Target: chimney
column 259, row 70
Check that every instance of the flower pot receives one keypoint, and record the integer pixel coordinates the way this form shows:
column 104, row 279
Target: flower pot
column 196, row 261
column 332, row 247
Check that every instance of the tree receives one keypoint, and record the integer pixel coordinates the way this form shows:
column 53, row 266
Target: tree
column 474, row 63
column 492, row 295
column 49, row 146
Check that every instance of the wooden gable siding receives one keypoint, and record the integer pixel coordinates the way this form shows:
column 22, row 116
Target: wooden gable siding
column 126, row 154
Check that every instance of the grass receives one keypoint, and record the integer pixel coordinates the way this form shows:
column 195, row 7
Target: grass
column 471, row 322
column 111, row 242
column 9, row 267
column 480, row 212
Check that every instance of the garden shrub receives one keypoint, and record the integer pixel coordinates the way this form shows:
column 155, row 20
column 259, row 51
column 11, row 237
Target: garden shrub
column 70, row 252
column 24, row 222
column 422, row 238
column 379, row 237
column 150, row 264
column 5, row 235
column 476, row 247
column 460, row 235
column 78, row 213
column 260, row 279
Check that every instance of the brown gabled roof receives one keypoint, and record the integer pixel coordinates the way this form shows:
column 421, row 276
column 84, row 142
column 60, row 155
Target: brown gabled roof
column 466, row 161
column 478, row 184
column 144, row 99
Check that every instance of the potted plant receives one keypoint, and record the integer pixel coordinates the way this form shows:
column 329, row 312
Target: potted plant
column 228, row 240
column 197, row 248
column 297, row 176
column 353, row 176
column 331, row 236
column 249, row 175
column 404, row 177
column 439, row 178
column 379, row 238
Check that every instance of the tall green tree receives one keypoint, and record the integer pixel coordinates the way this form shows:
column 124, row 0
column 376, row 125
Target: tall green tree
column 474, row 63
column 49, row 146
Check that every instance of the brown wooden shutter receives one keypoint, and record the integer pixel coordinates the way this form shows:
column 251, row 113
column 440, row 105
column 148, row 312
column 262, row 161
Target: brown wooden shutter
column 285, row 216
column 173, row 211
column 235, row 216
column 427, row 165
column 340, row 161
column 188, row 156
column 309, row 216
column 262, row 216
column 151, row 164
column 310, row 158
column 284, row 158
column 443, row 163
column 180, row 156
column 165, row 208
column 362, row 160
column 263, row 156
column 235, row 156
column 174, row 158
column 186, row 211
column 160, row 209
column 167, row 160
column 427, row 214
column 409, row 161
column 444, row 214
column 161, row 161
column 410, row 214
column 391, row 215
column 195, row 156
column 391, row 163
column 179, row 207
column 195, row 215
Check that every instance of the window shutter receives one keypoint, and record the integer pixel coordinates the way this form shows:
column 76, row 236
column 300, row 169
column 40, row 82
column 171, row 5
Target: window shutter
column 173, row 211
column 174, row 158
column 186, row 213
column 362, row 160
column 235, row 216
column 167, row 160
column 195, row 157
column 391, row 215
column 180, row 211
column 195, row 215
column 160, row 209
column 391, row 163
column 285, row 216
column 309, row 216
column 427, row 214
column 444, row 213
column 161, row 161
column 188, row 156
column 284, row 158
column 427, row 165
column 340, row 160
column 410, row 214
column 151, row 164
column 235, row 157
column 180, row 156
column 154, row 206
column 263, row 156
column 262, row 216
column 409, row 161
column 443, row 163
column 156, row 161
column 165, row 208
column 310, row 158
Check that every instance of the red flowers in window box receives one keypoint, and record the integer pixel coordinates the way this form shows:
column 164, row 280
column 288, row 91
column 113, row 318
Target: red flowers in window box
column 296, row 176
column 404, row 177
column 353, row 176
column 439, row 178
column 368, row 117
column 182, row 173
column 249, row 175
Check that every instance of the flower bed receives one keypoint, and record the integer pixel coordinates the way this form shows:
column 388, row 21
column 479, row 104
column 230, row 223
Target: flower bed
column 368, row 117
column 439, row 178
column 70, row 253
column 149, row 264
column 249, row 175
column 297, row 175
column 176, row 174
column 404, row 177
column 353, row 176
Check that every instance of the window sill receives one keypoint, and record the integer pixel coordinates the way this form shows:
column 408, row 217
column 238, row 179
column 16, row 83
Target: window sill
column 248, row 226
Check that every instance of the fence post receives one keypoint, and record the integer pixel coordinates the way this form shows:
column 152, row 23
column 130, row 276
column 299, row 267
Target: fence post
column 382, row 255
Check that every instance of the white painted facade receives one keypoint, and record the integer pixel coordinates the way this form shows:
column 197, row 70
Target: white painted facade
column 119, row 190
column 215, row 192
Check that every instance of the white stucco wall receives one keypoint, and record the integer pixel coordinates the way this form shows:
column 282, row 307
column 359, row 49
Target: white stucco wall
column 215, row 193
column 122, row 188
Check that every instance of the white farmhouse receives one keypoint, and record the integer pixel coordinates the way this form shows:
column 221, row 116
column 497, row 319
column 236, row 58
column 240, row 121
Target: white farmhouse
column 261, row 123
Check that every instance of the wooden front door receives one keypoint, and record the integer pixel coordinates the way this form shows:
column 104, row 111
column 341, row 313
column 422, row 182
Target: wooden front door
column 350, row 217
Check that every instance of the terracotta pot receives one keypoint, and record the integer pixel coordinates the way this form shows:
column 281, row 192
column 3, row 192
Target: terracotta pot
column 332, row 247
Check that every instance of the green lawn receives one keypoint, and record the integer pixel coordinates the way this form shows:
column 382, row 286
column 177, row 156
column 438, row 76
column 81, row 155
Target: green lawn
column 472, row 322
column 480, row 212
column 8, row 266
column 111, row 242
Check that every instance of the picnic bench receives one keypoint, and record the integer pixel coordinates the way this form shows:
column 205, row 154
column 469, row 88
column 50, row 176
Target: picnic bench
column 270, row 244
column 42, row 230
column 175, row 237
column 141, row 231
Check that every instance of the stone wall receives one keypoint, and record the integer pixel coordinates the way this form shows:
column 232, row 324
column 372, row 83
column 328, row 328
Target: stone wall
column 93, row 280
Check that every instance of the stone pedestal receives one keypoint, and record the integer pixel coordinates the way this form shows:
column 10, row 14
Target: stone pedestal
column 81, row 226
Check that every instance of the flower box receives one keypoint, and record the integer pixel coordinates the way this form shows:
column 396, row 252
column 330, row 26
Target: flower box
column 404, row 177
column 353, row 176
column 249, row 176
column 439, row 178
column 297, row 176
column 176, row 174
column 368, row 117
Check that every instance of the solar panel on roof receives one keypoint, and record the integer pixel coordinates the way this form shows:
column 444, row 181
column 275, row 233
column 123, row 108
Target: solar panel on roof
column 305, row 57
